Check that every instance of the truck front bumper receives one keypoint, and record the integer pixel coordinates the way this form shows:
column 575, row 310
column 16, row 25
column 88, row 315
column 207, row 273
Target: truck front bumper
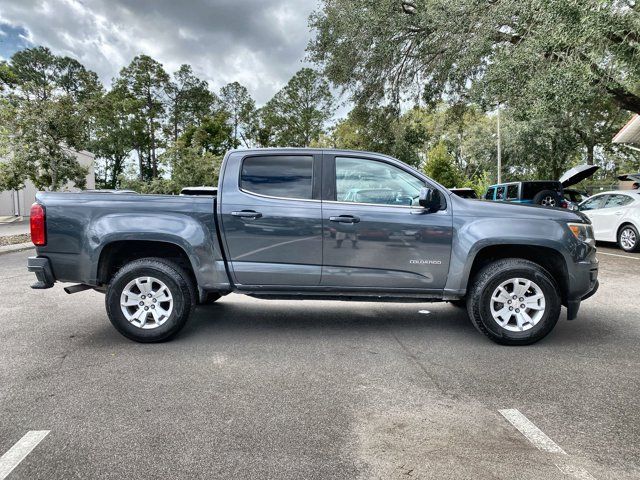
column 585, row 285
column 42, row 268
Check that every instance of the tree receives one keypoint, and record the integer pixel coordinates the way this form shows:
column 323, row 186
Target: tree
column 382, row 130
column 113, row 135
column 297, row 114
column 45, row 112
column 241, row 108
column 146, row 84
column 441, row 166
column 500, row 49
column 213, row 135
column 189, row 100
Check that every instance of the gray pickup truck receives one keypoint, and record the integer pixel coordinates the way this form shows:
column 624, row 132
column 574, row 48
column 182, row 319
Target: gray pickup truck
column 315, row 224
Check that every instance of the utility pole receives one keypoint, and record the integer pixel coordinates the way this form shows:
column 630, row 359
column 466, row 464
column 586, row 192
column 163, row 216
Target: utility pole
column 499, row 150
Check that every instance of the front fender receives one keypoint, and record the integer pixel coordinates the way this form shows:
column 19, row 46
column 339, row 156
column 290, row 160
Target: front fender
column 473, row 235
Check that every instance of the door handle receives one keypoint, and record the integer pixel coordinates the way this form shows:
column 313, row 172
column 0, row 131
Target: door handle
column 344, row 219
column 618, row 212
column 251, row 214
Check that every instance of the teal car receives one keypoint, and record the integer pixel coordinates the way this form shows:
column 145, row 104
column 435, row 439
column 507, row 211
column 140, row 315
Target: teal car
column 538, row 192
column 548, row 193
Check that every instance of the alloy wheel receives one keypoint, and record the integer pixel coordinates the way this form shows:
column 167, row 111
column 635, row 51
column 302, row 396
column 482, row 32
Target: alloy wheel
column 146, row 302
column 517, row 304
column 548, row 201
column 628, row 239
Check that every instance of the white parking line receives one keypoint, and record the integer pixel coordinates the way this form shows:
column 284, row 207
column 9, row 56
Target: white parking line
column 575, row 472
column 529, row 430
column 621, row 256
column 20, row 450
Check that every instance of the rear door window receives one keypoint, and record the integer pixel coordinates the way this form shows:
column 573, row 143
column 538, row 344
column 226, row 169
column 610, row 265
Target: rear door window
column 618, row 201
column 284, row 176
column 512, row 192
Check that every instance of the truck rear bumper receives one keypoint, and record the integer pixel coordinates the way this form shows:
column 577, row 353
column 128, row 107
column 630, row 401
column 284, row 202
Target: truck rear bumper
column 42, row 268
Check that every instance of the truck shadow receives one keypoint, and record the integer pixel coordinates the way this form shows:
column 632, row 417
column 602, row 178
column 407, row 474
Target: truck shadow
column 313, row 318
column 316, row 317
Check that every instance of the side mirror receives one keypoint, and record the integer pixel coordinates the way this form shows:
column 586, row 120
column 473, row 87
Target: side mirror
column 429, row 198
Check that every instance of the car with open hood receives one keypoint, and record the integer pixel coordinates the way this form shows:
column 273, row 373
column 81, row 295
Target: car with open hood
column 547, row 193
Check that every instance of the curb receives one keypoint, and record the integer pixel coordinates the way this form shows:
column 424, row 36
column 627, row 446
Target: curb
column 16, row 248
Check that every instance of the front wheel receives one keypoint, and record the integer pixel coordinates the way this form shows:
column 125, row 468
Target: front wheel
column 150, row 300
column 514, row 302
column 628, row 239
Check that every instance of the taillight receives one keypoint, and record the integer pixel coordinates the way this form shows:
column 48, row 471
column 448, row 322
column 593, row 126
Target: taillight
column 564, row 204
column 38, row 228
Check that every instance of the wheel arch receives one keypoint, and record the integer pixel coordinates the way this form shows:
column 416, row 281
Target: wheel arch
column 624, row 224
column 118, row 253
column 550, row 259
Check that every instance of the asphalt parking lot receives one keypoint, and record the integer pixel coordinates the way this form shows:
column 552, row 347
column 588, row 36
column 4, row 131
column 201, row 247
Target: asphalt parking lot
column 312, row 389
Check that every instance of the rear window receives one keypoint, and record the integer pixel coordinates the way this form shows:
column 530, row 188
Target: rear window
column 530, row 189
column 288, row 176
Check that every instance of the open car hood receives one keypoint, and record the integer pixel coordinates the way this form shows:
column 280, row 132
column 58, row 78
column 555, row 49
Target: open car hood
column 577, row 174
column 630, row 177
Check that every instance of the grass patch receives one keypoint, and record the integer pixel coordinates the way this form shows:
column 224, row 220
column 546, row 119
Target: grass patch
column 14, row 239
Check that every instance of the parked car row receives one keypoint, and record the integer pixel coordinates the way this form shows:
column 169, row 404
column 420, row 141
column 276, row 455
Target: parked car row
column 615, row 214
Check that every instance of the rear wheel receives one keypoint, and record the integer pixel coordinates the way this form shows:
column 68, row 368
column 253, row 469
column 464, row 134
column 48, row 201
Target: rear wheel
column 628, row 239
column 514, row 302
column 547, row 198
column 150, row 300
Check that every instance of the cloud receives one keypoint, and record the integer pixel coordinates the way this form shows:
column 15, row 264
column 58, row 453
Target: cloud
column 259, row 43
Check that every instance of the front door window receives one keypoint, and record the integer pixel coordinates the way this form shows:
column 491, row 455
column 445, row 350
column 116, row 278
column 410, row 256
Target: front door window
column 364, row 181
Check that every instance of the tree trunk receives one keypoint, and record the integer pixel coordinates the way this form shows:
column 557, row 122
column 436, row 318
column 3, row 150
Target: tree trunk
column 140, row 162
column 590, row 148
column 175, row 119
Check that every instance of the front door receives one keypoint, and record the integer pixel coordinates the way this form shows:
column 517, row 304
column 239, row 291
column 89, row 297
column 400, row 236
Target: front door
column 594, row 209
column 272, row 220
column 375, row 234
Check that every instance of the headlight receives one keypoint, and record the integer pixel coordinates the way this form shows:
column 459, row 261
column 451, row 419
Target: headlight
column 582, row 232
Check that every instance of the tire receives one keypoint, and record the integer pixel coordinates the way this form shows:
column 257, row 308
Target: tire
column 629, row 239
column 499, row 273
column 211, row 297
column 168, row 281
column 547, row 198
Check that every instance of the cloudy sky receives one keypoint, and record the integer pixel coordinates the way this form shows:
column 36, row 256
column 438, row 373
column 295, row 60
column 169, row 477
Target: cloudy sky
column 259, row 43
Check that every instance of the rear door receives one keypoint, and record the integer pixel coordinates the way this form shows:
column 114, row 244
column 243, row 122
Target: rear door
column 615, row 209
column 376, row 235
column 271, row 216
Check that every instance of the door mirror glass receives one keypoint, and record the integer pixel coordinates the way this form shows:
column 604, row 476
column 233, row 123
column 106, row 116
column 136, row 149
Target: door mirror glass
column 429, row 198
